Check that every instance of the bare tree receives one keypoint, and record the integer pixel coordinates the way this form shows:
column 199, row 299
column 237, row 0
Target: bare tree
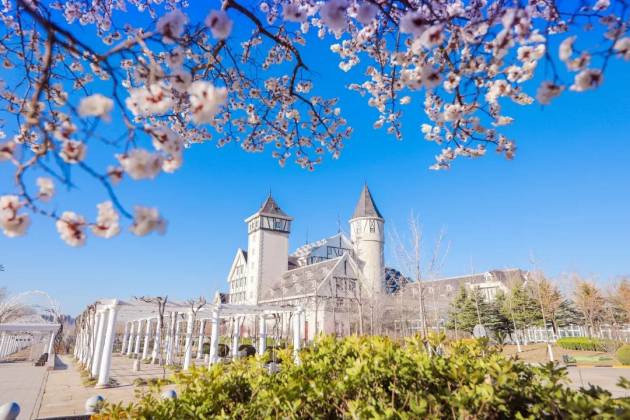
column 411, row 256
column 588, row 299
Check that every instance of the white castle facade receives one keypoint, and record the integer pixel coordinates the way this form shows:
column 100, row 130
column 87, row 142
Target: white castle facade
column 331, row 278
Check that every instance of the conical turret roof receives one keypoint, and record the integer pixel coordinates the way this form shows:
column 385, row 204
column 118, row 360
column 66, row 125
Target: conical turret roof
column 270, row 207
column 366, row 206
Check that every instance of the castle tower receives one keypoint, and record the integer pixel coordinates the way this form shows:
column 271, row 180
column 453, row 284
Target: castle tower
column 367, row 234
column 268, row 248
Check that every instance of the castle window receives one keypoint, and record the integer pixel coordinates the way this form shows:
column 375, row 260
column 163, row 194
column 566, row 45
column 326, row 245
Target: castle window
column 449, row 288
column 298, row 288
column 431, row 290
column 309, row 274
column 294, row 278
column 277, row 224
column 314, row 284
column 284, row 290
column 325, row 271
column 372, row 226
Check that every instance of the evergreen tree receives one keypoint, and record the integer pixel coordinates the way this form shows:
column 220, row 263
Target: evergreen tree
column 468, row 307
column 500, row 319
column 525, row 306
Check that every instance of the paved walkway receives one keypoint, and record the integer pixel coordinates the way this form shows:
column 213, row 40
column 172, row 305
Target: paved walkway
column 606, row 378
column 65, row 394
column 21, row 382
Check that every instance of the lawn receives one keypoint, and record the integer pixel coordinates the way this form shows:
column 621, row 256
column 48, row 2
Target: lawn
column 537, row 353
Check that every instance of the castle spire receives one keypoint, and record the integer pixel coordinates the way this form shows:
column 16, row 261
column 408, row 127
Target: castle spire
column 366, row 206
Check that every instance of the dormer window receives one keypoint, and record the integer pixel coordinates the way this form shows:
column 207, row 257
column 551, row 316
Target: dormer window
column 488, row 277
column 277, row 224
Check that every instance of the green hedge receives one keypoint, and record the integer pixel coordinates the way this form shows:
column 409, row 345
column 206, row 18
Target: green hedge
column 583, row 343
column 369, row 377
column 623, row 354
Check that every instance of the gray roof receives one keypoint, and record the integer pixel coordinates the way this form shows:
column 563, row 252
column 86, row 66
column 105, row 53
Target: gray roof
column 366, row 206
column 270, row 207
column 244, row 255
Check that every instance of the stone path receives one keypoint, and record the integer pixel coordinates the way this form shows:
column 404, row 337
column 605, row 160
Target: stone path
column 65, row 394
column 21, row 382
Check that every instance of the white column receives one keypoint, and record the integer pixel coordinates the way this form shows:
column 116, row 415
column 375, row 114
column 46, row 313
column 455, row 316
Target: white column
column 131, row 335
column 51, row 346
column 262, row 344
column 98, row 348
column 108, row 348
column 202, row 327
column 2, row 344
column 136, row 350
column 189, row 337
column 171, row 340
column 236, row 338
column 92, row 340
column 297, row 333
column 125, row 339
column 214, row 338
column 158, row 341
column 176, row 342
column 147, row 338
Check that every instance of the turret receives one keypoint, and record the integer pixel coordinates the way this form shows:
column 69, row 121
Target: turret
column 367, row 233
column 268, row 247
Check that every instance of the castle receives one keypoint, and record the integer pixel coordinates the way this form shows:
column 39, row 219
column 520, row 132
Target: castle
column 331, row 278
column 336, row 280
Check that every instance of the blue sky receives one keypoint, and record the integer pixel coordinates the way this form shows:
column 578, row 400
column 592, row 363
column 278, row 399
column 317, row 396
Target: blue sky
column 565, row 197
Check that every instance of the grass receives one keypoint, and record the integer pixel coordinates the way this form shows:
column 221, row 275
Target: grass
column 174, row 368
column 151, row 381
column 537, row 353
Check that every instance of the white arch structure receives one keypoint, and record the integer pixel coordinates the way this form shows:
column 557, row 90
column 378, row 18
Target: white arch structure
column 17, row 336
column 97, row 327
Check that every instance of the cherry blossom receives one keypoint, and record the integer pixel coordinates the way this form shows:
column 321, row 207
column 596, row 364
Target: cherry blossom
column 115, row 174
column 587, row 79
column 72, row 226
column 95, row 105
column 7, row 149
column 622, row 46
column 547, row 91
column 219, row 23
column 176, row 79
column 46, row 189
column 333, row 14
column 106, row 222
column 73, row 151
column 141, row 164
column 171, row 25
column 12, row 223
column 206, row 100
column 146, row 220
column 154, row 99
column 294, row 12
column 365, row 13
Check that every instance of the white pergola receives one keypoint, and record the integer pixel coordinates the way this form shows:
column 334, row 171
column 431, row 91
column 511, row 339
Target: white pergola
column 95, row 350
column 17, row 336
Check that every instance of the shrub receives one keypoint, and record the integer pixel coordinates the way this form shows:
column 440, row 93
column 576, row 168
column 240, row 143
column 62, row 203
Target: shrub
column 583, row 343
column 369, row 377
column 205, row 349
column 224, row 350
column 623, row 354
column 147, row 361
column 251, row 350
